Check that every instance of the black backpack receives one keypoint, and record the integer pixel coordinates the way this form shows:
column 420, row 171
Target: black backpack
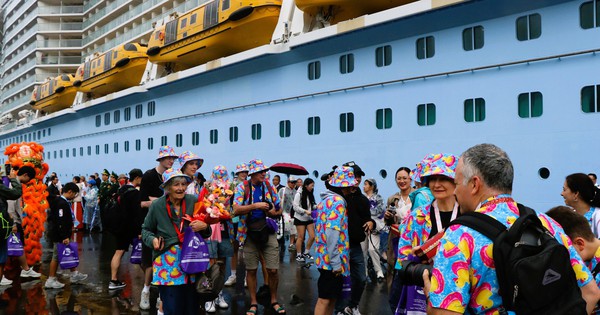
column 115, row 215
column 534, row 270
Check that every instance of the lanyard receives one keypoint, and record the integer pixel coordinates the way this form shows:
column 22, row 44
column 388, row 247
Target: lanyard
column 438, row 219
column 179, row 230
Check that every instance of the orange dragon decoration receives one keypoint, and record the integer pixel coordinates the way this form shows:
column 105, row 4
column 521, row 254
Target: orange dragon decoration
column 34, row 195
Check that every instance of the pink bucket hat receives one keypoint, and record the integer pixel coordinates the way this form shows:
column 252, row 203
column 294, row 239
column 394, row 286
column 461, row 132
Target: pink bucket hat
column 440, row 164
column 172, row 173
column 166, row 151
column 187, row 156
column 256, row 166
column 343, row 176
column 242, row 167
column 219, row 173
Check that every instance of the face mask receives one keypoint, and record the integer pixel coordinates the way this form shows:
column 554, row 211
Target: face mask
column 122, row 181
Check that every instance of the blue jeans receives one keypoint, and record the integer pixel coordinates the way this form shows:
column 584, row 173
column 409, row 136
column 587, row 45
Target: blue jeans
column 358, row 275
column 179, row 299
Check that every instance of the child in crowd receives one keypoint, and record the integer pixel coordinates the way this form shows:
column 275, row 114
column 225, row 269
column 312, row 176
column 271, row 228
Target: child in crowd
column 60, row 228
column 585, row 242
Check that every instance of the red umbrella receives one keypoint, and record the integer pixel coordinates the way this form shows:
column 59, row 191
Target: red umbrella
column 289, row 169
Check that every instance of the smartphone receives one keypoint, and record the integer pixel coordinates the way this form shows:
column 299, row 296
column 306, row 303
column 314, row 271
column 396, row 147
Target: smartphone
column 7, row 168
column 161, row 242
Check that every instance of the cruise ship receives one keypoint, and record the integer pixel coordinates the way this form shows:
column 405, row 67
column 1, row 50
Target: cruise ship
column 382, row 89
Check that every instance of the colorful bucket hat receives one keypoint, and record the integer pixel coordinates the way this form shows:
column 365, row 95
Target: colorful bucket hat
column 166, row 151
column 187, row 156
column 256, row 166
column 343, row 176
column 219, row 172
column 414, row 175
column 440, row 164
column 170, row 174
column 242, row 167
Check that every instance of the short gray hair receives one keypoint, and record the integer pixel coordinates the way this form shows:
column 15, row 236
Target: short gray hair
column 491, row 164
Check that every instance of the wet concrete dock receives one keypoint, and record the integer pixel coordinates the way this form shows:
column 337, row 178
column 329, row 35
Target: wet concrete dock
column 297, row 288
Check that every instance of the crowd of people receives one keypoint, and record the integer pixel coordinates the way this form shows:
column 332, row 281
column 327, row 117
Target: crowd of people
column 350, row 232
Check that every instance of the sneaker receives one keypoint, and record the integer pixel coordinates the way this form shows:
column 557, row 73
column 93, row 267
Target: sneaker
column 30, row 273
column 231, row 280
column 115, row 284
column 52, row 283
column 5, row 281
column 78, row 277
column 300, row 258
column 220, row 301
column 308, row 256
column 210, row 307
column 145, row 300
column 351, row 310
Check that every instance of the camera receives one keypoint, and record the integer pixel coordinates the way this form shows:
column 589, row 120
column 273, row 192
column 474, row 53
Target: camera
column 412, row 273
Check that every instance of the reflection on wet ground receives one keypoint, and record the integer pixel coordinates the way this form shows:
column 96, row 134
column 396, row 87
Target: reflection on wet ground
column 297, row 288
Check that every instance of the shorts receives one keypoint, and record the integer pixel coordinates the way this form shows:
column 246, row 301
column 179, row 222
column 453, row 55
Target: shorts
column 305, row 223
column 329, row 285
column 270, row 252
column 123, row 243
column 55, row 252
column 222, row 249
column 146, row 256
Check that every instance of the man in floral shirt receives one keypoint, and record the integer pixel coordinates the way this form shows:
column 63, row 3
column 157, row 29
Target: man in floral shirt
column 256, row 203
column 464, row 276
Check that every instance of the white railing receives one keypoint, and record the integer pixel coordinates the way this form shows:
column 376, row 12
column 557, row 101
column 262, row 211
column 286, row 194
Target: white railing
column 11, row 47
column 19, row 13
column 21, row 70
column 56, row 43
column 96, row 16
column 21, row 85
column 19, row 27
column 73, row 26
column 95, row 35
column 59, row 60
column 20, row 56
column 65, row 9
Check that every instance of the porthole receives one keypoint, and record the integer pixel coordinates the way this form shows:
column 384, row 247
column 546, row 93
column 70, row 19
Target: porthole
column 544, row 173
column 383, row 173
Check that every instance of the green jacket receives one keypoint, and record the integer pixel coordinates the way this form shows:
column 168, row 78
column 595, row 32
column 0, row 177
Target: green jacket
column 158, row 223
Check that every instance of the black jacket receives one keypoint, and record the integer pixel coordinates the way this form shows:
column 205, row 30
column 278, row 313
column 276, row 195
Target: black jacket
column 358, row 214
column 60, row 221
column 132, row 216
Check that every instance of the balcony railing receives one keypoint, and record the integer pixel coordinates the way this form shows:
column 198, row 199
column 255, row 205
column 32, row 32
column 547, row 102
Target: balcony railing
column 58, row 43
column 20, row 11
column 66, row 9
column 22, row 69
column 21, row 85
column 22, row 54
column 28, row 19
column 17, row 102
column 121, row 19
column 60, row 60
column 74, row 26
column 96, row 16
column 11, row 47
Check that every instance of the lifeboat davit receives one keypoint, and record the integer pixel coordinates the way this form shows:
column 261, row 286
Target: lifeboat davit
column 117, row 69
column 340, row 10
column 216, row 29
column 54, row 94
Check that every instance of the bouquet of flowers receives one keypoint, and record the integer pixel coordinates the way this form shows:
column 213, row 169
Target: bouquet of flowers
column 213, row 203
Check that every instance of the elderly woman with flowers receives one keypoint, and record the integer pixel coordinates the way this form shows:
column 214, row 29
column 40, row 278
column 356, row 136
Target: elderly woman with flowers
column 163, row 231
